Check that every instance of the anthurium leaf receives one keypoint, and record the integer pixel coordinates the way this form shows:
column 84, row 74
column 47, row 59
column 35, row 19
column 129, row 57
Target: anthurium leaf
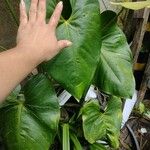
column 30, row 121
column 133, row 5
column 97, row 146
column 114, row 74
column 75, row 66
column 98, row 125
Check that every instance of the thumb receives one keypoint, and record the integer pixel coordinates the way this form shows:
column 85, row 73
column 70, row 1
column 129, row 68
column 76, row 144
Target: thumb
column 63, row 44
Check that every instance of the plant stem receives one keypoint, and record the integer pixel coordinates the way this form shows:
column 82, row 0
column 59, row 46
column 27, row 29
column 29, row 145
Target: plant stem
column 12, row 12
column 76, row 142
column 66, row 140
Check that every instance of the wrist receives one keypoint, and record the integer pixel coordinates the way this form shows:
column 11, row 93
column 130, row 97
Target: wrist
column 27, row 56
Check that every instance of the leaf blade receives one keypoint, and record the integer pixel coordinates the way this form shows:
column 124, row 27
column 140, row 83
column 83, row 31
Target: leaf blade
column 99, row 125
column 75, row 66
column 114, row 73
column 32, row 123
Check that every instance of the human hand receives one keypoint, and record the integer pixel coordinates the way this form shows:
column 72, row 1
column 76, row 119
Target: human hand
column 37, row 38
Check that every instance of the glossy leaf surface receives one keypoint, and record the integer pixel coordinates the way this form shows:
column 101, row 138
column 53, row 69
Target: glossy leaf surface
column 74, row 67
column 30, row 122
column 98, row 125
column 114, row 74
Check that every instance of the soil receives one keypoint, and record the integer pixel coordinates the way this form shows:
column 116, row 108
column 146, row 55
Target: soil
column 136, row 123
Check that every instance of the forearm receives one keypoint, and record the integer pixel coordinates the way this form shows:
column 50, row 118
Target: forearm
column 36, row 42
column 15, row 65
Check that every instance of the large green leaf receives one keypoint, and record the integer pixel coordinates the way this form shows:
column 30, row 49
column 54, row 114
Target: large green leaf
column 99, row 125
column 74, row 67
column 114, row 74
column 30, row 122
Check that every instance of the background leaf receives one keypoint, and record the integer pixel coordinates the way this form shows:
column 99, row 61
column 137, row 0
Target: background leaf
column 74, row 67
column 99, row 125
column 114, row 74
column 30, row 121
column 9, row 5
column 9, row 18
column 133, row 5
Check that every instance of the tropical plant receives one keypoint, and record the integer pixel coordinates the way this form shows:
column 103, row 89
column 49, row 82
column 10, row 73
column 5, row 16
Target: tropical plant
column 31, row 117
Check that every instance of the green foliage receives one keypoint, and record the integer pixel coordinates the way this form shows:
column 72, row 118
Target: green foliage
column 75, row 66
column 77, row 145
column 2, row 48
column 133, row 5
column 98, row 125
column 10, row 8
column 66, row 139
column 30, row 121
column 99, row 54
column 114, row 74
column 141, row 108
column 147, row 113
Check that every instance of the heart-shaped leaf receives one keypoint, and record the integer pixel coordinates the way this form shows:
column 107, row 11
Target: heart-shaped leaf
column 30, row 121
column 98, row 125
column 114, row 74
column 74, row 67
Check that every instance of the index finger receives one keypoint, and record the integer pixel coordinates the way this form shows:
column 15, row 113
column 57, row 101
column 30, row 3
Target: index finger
column 56, row 15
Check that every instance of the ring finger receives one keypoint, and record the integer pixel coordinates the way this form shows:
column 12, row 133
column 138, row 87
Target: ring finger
column 41, row 10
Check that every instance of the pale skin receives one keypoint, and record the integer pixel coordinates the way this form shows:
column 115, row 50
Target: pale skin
column 36, row 42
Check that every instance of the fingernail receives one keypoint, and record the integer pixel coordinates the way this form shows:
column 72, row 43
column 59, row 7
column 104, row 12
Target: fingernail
column 60, row 3
column 69, row 43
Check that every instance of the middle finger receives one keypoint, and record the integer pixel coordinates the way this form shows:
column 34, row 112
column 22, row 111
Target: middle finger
column 33, row 11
